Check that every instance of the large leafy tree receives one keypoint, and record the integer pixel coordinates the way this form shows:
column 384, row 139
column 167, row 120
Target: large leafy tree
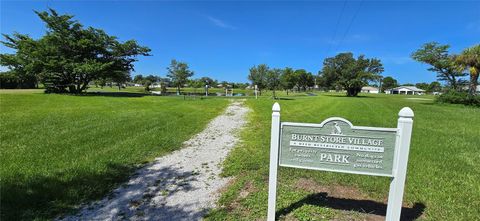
column 258, row 76
column 470, row 59
column 69, row 56
column 179, row 73
column 350, row 73
column 440, row 61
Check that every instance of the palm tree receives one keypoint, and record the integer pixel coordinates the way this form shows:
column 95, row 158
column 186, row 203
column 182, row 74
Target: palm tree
column 470, row 59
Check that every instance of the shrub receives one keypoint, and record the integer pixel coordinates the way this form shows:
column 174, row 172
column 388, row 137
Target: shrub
column 456, row 97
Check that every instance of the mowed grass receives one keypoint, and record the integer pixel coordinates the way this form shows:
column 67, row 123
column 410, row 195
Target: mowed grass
column 58, row 151
column 443, row 178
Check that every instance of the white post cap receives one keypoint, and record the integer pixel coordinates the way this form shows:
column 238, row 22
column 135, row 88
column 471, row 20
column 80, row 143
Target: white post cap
column 276, row 107
column 406, row 112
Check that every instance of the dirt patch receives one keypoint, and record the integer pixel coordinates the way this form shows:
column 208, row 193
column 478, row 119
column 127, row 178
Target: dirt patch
column 349, row 202
column 336, row 191
column 247, row 189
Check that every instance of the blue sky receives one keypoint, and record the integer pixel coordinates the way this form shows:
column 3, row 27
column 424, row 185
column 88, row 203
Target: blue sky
column 223, row 39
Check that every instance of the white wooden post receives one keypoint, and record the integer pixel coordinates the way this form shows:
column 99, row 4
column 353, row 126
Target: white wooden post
column 274, row 146
column 402, row 146
column 256, row 92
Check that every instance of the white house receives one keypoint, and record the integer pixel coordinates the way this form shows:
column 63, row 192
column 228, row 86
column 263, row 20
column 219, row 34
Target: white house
column 412, row 90
column 371, row 90
column 466, row 88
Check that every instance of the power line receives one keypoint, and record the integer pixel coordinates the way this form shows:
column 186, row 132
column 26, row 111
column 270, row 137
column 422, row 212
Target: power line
column 336, row 28
column 350, row 25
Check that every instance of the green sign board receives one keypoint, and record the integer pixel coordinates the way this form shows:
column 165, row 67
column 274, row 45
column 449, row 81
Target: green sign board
column 336, row 145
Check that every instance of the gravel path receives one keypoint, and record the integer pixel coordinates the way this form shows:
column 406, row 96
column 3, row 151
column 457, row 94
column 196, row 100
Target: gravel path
column 180, row 186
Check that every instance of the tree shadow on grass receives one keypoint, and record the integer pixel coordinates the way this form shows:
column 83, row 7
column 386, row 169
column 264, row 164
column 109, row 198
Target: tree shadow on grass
column 345, row 96
column 116, row 94
column 363, row 206
column 47, row 197
column 43, row 197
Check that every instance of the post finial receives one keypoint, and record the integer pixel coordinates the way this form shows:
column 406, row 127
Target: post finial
column 276, row 107
column 406, row 112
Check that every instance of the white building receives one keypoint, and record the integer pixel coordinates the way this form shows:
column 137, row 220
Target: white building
column 466, row 88
column 371, row 90
column 412, row 90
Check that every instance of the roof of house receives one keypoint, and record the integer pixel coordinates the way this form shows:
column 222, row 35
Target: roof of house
column 370, row 88
column 412, row 88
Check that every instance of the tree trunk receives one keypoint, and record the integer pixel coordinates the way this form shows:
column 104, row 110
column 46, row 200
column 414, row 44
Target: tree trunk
column 72, row 89
column 352, row 92
column 453, row 81
column 178, row 90
column 473, row 84
column 273, row 93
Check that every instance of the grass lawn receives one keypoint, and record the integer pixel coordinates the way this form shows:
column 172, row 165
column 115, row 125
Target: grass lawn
column 58, row 151
column 443, row 177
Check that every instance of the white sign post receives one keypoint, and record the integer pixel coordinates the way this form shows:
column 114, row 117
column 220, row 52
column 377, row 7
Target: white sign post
column 256, row 92
column 350, row 143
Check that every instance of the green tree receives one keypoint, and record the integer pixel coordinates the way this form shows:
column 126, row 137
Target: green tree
column 23, row 68
column 69, row 56
column 304, row 79
column 389, row 83
column 207, row 81
column 288, row 79
column 435, row 86
column 423, row 86
column 195, row 84
column 350, row 73
column 442, row 62
column 258, row 76
column 179, row 73
column 273, row 80
column 470, row 59
column 152, row 78
column 146, row 84
column 138, row 79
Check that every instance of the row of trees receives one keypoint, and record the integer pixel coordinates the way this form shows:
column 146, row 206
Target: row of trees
column 273, row 79
column 179, row 75
column 343, row 70
column 68, row 57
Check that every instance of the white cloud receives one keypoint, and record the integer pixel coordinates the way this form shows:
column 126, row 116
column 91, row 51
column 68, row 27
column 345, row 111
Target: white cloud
column 219, row 23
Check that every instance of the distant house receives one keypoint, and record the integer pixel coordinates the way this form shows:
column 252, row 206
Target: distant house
column 412, row 90
column 466, row 88
column 371, row 90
